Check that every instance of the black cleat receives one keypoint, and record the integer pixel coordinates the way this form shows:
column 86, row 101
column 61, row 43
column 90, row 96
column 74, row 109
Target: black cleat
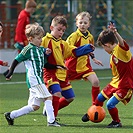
column 8, row 118
column 114, row 124
column 85, row 118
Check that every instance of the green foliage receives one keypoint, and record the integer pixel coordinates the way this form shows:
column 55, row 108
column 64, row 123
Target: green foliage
column 14, row 96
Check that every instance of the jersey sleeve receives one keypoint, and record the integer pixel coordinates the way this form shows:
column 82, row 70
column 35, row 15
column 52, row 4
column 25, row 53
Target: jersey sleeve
column 68, row 50
column 24, row 55
column 71, row 39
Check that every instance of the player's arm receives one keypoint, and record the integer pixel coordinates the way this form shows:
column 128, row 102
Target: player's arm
column 117, row 35
column 51, row 66
column 83, row 50
column 8, row 74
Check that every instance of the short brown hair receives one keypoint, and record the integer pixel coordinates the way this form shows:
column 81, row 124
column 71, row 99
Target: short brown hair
column 106, row 36
column 30, row 3
column 59, row 20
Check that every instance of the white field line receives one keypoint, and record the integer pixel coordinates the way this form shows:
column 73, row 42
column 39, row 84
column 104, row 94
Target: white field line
column 23, row 82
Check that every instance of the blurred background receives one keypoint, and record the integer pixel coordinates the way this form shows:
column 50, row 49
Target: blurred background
column 102, row 11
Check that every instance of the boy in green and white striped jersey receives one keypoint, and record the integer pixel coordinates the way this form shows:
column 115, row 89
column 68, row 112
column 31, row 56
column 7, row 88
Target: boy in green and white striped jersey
column 33, row 56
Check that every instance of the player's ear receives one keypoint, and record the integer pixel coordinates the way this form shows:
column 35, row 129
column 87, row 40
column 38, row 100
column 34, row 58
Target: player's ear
column 30, row 39
column 51, row 28
column 76, row 24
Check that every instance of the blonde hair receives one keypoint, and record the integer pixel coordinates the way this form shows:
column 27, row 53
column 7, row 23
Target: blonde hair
column 83, row 14
column 33, row 30
column 30, row 3
column 59, row 20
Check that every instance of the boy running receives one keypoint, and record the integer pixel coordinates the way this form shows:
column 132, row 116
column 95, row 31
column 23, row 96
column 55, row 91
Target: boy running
column 121, row 63
column 57, row 80
column 33, row 57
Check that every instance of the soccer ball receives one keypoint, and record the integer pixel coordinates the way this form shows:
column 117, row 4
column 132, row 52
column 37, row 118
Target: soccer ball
column 96, row 113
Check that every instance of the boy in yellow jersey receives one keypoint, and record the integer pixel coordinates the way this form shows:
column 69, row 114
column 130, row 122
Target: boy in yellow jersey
column 121, row 63
column 80, row 68
column 57, row 80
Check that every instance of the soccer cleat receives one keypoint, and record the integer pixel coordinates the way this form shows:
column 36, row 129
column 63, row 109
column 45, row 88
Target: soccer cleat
column 57, row 120
column 54, row 124
column 85, row 118
column 114, row 124
column 8, row 118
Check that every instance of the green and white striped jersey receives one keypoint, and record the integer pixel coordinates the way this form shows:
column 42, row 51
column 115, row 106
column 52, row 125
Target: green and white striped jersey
column 34, row 61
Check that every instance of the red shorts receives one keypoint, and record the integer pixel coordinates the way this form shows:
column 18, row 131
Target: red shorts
column 82, row 75
column 122, row 94
column 51, row 79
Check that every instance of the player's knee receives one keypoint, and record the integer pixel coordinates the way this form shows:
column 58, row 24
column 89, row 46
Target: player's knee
column 35, row 107
column 95, row 82
column 110, row 105
column 58, row 94
column 70, row 99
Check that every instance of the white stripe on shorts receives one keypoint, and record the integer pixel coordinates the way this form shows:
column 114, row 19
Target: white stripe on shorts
column 40, row 91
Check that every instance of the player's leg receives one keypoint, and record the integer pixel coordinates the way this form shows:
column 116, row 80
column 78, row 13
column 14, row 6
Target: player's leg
column 95, row 86
column 113, row 111
column 10, row 116
column 67, row 93
column 56, row 92
column 45, row 95
column 68, row 97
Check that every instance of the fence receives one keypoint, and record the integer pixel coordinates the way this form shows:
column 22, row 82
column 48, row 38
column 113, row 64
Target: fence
column 7, row 39
column 47, row 9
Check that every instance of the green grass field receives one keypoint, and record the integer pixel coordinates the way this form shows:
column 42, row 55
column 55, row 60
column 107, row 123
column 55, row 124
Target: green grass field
column 14, row 94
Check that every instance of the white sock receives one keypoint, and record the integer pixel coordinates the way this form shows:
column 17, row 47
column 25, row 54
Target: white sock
column 22, row 111
column 44, row 110
column 50, row 111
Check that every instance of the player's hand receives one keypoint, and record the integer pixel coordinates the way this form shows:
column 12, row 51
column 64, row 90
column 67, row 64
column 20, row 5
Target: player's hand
column 48, row 51
column 92, row 46
column 97, row 62
column 112, row 27
column 8, row 74
column 5, row 63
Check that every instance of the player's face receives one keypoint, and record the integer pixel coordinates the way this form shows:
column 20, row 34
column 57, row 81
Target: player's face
column 58, row 30
column 83, row 23
column 1, row 30
column 31, row 10
column 107, row 47
column 36, row 40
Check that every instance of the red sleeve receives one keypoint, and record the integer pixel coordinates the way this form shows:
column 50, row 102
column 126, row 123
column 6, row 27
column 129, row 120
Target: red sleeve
column 1, row 62
column 23, row 20
column 125, row 47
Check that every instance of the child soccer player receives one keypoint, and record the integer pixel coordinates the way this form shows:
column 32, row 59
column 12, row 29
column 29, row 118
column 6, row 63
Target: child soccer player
column 23, row 20
column 121, row 63
column 80, row 67
column 33, row 56
column 2, row 63
column 57, row 80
